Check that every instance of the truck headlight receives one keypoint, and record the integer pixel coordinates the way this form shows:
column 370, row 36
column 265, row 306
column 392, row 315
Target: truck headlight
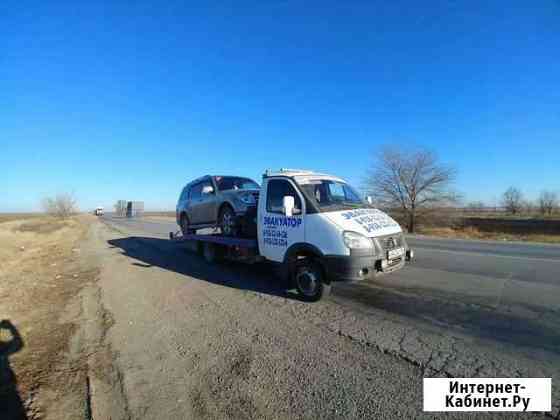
column 354, row 240
column 247, row 199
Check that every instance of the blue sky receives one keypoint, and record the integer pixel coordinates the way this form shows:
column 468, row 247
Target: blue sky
column 133, row 99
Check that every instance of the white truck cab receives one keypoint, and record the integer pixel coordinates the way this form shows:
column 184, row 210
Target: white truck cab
column 320, row 228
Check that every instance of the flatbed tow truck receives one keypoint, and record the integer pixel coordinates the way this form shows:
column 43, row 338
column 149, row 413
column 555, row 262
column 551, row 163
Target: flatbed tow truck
column 315, row 230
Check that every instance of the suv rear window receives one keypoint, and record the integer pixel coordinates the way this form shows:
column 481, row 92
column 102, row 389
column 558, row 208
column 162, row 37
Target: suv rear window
column 235, row 183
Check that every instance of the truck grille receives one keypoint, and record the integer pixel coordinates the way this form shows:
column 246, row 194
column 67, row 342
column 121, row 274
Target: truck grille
column 256, row 196
column 388, row 242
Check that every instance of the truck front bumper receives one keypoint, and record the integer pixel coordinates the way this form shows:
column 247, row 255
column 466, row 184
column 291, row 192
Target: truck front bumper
column 356, row 267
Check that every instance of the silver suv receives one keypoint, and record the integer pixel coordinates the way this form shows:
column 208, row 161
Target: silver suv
column 228, row 202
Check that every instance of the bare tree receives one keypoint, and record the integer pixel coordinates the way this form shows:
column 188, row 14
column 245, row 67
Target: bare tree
column 528, row 207
column 411, row 181
column 63, row 205
column 548, row 202
column 512, row 200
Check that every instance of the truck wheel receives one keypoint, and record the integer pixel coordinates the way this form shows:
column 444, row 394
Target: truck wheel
column 185, row 230
column 227, row 222
column 212, row 253
column 209, row 252
column 310, row 280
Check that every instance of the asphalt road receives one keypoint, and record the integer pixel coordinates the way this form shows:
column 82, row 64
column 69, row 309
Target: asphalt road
column 461, row 309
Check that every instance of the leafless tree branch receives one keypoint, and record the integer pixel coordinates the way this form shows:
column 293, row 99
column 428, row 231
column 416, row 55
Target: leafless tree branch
column 411, row 181
column 512, row 200
column 548, row 202
column 62, row 206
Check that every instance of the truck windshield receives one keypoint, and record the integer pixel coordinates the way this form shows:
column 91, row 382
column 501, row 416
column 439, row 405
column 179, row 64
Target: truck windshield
column 330, row 195
column 235, row 183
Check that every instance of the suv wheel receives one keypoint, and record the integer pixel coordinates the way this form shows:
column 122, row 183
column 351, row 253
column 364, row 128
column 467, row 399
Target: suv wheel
column 227, row 222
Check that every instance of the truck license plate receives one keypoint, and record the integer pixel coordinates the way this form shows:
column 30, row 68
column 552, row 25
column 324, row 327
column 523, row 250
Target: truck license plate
column 395, row 253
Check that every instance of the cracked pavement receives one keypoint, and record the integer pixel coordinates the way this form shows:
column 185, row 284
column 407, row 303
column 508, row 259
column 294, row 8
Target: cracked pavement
column 220, row 341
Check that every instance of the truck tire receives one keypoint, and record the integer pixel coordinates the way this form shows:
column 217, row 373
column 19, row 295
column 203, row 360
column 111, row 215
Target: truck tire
column 209, row 252
column 212, row 253
column 227, row 222
column 309, row 279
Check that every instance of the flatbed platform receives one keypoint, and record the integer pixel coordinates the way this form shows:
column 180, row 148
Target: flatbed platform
column 216, row 239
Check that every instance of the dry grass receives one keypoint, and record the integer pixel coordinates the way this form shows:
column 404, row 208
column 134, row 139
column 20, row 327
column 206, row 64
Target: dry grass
column 473, row 233
column 42, row 226
column 502, row 215
column 10, row 217
column 40, row 275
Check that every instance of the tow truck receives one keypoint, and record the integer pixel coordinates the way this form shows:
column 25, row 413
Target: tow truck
column 314, row 229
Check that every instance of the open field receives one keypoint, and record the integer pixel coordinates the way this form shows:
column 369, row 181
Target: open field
column 450, row 223
column 43, row 373
column 7, row 217
column 474, row 233
column 514, row 228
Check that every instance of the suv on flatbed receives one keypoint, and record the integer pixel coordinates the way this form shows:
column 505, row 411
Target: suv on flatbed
column 228, row 202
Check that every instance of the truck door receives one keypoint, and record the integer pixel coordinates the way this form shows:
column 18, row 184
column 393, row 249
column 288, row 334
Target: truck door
column 276, row 231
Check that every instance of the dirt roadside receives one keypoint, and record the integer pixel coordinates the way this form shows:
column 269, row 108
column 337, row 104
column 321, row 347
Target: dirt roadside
column 51, row 330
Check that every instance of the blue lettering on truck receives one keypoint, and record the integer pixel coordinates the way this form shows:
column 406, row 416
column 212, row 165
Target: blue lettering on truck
column 370, row 219
column 275, row 231
column 292, row 222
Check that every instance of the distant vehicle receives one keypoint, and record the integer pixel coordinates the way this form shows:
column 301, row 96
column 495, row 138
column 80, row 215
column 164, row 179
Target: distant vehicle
column 134, row 209
column 228, row 202
column 315, row 228
column 98, row 211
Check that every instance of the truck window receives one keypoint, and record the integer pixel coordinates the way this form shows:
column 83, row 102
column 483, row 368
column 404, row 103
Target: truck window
column 331, row 195
column 277, row 189
column 337, row 192
column 196, row 191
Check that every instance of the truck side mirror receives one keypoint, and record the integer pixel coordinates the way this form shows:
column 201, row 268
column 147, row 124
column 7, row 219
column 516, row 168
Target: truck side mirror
column 369, row 199
column 288, row 203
